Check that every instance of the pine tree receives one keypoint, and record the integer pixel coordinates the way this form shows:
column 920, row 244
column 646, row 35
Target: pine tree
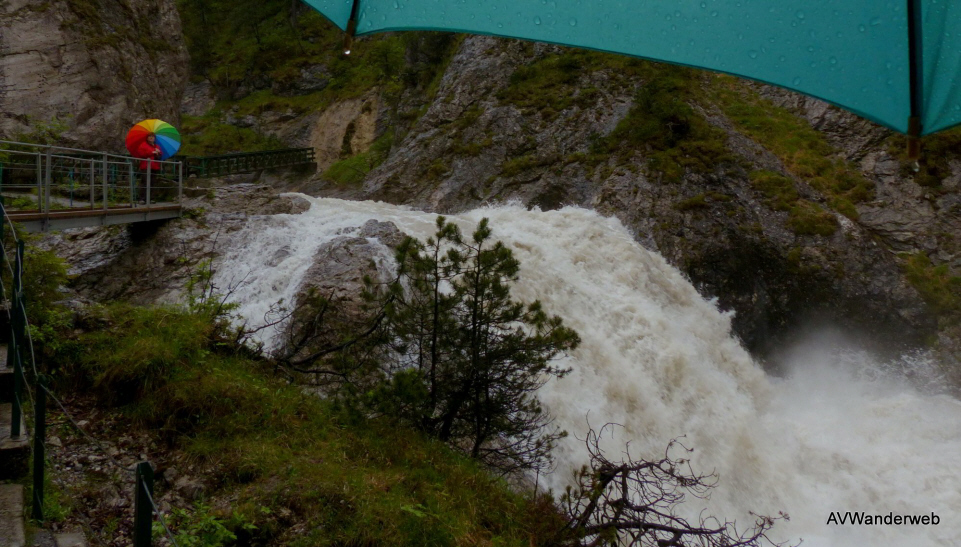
column 467, row 358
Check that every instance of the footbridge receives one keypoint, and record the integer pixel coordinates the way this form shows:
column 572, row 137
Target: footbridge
column 48, row 188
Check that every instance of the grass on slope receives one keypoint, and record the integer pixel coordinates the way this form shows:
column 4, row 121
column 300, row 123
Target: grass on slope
column 297, row 470
column 803, row 150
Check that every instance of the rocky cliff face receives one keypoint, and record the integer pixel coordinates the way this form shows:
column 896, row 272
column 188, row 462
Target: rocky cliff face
column 472, row 147
column 481, row 136
column 89, row 68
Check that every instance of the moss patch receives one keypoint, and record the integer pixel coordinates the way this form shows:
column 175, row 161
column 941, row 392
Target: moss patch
column 352, row 170
column 208, row 136
column 803, row 150
column 804, row 217
column 937, row 151
column 939, row 288
column 666, row 128
column 550, row 85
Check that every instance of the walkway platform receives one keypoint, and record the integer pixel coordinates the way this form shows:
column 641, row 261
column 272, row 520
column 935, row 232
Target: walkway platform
column 62, row 219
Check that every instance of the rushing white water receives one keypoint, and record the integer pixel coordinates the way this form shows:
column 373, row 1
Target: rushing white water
column 840, row 433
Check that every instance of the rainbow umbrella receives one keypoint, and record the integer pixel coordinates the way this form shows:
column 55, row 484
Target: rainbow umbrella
column 168, row 138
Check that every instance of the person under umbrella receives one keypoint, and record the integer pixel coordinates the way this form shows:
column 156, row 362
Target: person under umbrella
column 148, row 150
column 153, row 141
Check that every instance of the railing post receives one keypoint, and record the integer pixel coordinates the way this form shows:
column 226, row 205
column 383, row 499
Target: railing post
column 130, row 174
column 16, row 414
column 93, row 183
column 180, row 183
column 142, row 507
column 48, row 180
column 3, row 220
column 149, row 172
column 39, row 183
column 39, row 438
column 105, row 177
column 16, row 343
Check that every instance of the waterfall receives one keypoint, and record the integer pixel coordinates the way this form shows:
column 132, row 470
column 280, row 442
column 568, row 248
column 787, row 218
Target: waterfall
column 841, row 432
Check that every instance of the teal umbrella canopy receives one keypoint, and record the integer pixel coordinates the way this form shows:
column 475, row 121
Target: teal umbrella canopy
column 888, row 61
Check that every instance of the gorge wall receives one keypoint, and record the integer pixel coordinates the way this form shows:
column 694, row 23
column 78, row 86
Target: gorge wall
column 787, row 210
column 82, row 72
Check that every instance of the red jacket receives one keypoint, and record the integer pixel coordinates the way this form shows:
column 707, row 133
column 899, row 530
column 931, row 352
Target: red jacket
column 147, row 150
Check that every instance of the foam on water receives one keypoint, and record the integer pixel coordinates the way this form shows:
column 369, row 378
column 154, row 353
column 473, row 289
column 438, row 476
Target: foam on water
column 840, row 433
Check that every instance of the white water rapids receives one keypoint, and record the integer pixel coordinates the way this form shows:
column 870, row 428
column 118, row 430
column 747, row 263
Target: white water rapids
column 840, row 433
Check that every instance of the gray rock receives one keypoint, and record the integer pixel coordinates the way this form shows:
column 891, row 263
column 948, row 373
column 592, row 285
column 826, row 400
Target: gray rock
column 85, row 73
column 198, row 99
column 337, row 275
column 190, row 488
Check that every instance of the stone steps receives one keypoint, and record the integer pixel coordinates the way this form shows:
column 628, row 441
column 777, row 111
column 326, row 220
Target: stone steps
column 14, row 464
column 6, row 377
column 70, row 540
column 14, row 453
column 11, row 516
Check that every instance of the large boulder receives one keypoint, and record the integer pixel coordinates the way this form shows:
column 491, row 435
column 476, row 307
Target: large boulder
column 328, row 307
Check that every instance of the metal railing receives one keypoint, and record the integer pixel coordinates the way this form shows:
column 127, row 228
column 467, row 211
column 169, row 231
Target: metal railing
column 247, row 162
column 44, row 179
column 20, row 353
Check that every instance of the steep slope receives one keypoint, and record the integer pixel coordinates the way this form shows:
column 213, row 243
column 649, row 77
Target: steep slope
column 548, row 127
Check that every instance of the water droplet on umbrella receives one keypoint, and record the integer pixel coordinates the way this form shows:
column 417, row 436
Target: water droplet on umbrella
column 876, row 21
column 573, row 22
column 833, row 60
column 703, row 5
column 796, row 81
column 800, row 14
column 537, row 20
column 713, row 14
column 862, row 28
column 752, row 54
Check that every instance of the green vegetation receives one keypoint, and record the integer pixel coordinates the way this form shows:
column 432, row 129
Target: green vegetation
column 202, row 528
column 473, row 357
column 256, row 54
column 663, row 123
column 207, row 136
column 287, row 457
column 701, row 201
column 803, row 150
column 352, row 170
column 676, row 138
column 43, row 131
column 804, row 217
column 937, row 152
column 551, row 84
column 523, row 163
column 939, row 288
